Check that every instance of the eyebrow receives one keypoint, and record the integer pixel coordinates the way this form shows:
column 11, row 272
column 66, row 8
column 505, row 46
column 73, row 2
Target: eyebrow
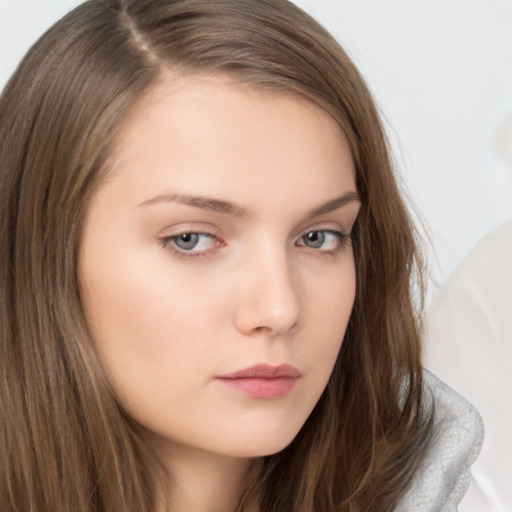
column 205, row 203
column 226, row 207
column 334, row 204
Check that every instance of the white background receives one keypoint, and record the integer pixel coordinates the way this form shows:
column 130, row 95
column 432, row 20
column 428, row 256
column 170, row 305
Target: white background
column 441, row 71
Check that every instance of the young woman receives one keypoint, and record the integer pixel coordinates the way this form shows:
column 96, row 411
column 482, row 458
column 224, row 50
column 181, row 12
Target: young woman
column 209, row 277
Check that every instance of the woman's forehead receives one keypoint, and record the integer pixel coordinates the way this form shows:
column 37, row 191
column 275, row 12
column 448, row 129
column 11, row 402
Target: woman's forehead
column 205, row 134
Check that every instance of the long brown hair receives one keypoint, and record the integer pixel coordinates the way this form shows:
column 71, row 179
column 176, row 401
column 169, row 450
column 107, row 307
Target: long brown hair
column 65, row 444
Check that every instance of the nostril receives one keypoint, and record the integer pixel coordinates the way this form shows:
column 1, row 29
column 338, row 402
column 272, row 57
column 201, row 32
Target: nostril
column 257, row 318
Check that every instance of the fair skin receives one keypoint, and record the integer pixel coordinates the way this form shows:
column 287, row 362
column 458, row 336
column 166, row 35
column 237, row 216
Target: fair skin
column 219, row 241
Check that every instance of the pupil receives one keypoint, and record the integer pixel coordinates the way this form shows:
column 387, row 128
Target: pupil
column 187, row 241
column 315, row 239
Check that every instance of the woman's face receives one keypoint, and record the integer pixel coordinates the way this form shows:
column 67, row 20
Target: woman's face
column 216, row 269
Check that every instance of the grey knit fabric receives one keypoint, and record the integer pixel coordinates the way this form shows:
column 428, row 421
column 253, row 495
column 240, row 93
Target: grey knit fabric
column 444, row 476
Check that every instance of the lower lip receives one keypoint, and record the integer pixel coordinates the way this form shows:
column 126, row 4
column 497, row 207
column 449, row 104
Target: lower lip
column 256, row 387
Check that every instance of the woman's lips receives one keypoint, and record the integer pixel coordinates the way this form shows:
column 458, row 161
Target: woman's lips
column 262, row 380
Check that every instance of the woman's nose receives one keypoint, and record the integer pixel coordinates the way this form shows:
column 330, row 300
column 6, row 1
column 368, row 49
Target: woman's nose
column 269, row 300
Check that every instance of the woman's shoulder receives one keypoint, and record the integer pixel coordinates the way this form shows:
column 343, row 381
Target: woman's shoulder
column 444, row 475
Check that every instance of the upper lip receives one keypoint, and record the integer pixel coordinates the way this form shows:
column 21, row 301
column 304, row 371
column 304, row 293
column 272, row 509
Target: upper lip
column 264, row 371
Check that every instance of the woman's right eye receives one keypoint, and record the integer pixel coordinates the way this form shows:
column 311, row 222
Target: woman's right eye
column 191, row 243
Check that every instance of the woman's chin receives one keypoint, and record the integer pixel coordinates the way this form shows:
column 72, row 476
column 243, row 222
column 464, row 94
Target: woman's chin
column 261, row 444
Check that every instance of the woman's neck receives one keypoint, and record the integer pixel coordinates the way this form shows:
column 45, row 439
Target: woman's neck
column 206, row 482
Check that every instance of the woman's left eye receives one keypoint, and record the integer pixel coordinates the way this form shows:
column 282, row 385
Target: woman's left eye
column 323, row 240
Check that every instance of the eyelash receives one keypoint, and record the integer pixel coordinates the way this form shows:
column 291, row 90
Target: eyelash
column 344, row 239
